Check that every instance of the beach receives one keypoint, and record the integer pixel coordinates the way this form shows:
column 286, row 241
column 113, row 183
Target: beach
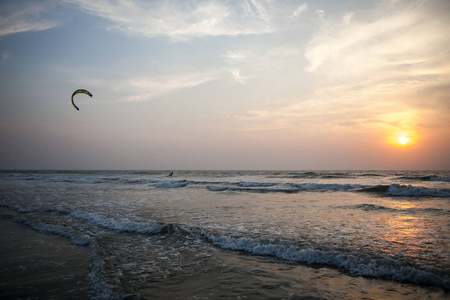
column 225, row 234
column 35, row 265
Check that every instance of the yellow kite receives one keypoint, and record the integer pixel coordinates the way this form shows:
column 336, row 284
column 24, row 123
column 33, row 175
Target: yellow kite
column 80, row 91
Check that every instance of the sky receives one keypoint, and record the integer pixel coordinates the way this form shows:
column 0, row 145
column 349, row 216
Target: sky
column 237, row 84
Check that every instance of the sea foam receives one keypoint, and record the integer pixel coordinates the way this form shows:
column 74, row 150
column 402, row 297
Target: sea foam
column 412, row 191
column 358, row 264
column 124, row 224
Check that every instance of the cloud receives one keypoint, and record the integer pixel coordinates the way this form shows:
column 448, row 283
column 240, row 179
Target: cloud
column 140, row 89
column 235, row 56
column 300, row 10
column 5, row 56
column 181, row 20
column 146, row 88
column 23, row 16
column 347, row 18
column 336, row 109
column 394, row 57
column 320, row 13
column 378, row 70
column 402, row 42
column 256, row 61
column 236, row 74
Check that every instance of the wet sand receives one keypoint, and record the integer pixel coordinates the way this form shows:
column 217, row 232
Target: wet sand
column 34, row 265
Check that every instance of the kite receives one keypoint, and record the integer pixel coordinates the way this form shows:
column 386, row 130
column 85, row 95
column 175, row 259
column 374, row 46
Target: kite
column 80, row 91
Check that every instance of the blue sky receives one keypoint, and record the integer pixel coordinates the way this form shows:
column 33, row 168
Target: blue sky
column 250, row 84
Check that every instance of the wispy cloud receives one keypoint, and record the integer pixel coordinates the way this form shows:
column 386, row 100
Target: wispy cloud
column 337, row 109
column 320, row 13
column 234, row 57
column 5, row 56
column 399, row 50
column 236, row 74
column 300, row 9
column 142, row 89
column 372, row 71
column 181, row 20
column 257, row 61
column 20, row 16
column 394, row 43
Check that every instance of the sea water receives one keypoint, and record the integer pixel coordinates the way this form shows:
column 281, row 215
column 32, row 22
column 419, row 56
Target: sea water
column 246, row 234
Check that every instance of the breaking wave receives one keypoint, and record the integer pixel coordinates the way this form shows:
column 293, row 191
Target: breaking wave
column 115, row 224
column 357, row 264
column 395, row 190
column 426, row 178
column 268, row 186
column 77, row 238
column 412, row 191
column 123, row 224
column 172, row 184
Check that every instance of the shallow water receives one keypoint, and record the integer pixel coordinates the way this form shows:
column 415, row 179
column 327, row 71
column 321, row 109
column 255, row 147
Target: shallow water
column 38, row 266
column 254, row 234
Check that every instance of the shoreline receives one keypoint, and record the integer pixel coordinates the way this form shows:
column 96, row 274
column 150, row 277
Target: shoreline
column 36, row 265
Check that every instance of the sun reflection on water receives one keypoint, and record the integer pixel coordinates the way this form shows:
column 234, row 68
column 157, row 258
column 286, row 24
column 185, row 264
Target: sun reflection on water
column 405, row 235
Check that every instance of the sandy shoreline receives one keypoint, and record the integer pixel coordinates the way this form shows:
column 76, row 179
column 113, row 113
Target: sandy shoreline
column 34, row 265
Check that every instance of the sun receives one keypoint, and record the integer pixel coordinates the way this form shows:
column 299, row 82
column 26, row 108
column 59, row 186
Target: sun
column 403, row 139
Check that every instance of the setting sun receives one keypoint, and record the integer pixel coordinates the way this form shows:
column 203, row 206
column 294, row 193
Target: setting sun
column 403, row 139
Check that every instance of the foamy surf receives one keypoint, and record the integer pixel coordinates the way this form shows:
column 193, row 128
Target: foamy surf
column 362, row 265
column 147, row 233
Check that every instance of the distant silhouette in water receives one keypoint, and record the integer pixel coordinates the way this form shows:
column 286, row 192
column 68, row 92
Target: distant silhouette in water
column 170, row 175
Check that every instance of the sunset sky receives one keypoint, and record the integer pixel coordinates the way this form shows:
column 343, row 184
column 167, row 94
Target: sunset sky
column 244, row 84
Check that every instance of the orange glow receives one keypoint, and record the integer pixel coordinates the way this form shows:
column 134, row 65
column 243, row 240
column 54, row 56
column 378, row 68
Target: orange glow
column 403, row 139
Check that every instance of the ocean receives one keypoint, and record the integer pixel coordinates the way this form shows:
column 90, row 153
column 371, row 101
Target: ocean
column 246, row 234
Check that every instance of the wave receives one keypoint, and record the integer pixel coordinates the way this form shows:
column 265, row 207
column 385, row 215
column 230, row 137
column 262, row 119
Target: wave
column 327, row 186
column 76, row 238
column 399, row 190
column 253, row 189
column 357, row 264
column 70, row 179
column 412, row 210
column 114, row 224
column 102, row 286
column 324, row 175
column 138, row 180
column 305, row 175
column 375, row 189
column 284, row 188
column 394, row 190
column 437, row 178
column 264, row 186
column 124, row 225
column 336, row 175
column 82, row 179
column 413, row 191
column 425, row 178
column 158, row 182
column 256, row 184
column 17, row 208
column 172, row 184
column 372, row 207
